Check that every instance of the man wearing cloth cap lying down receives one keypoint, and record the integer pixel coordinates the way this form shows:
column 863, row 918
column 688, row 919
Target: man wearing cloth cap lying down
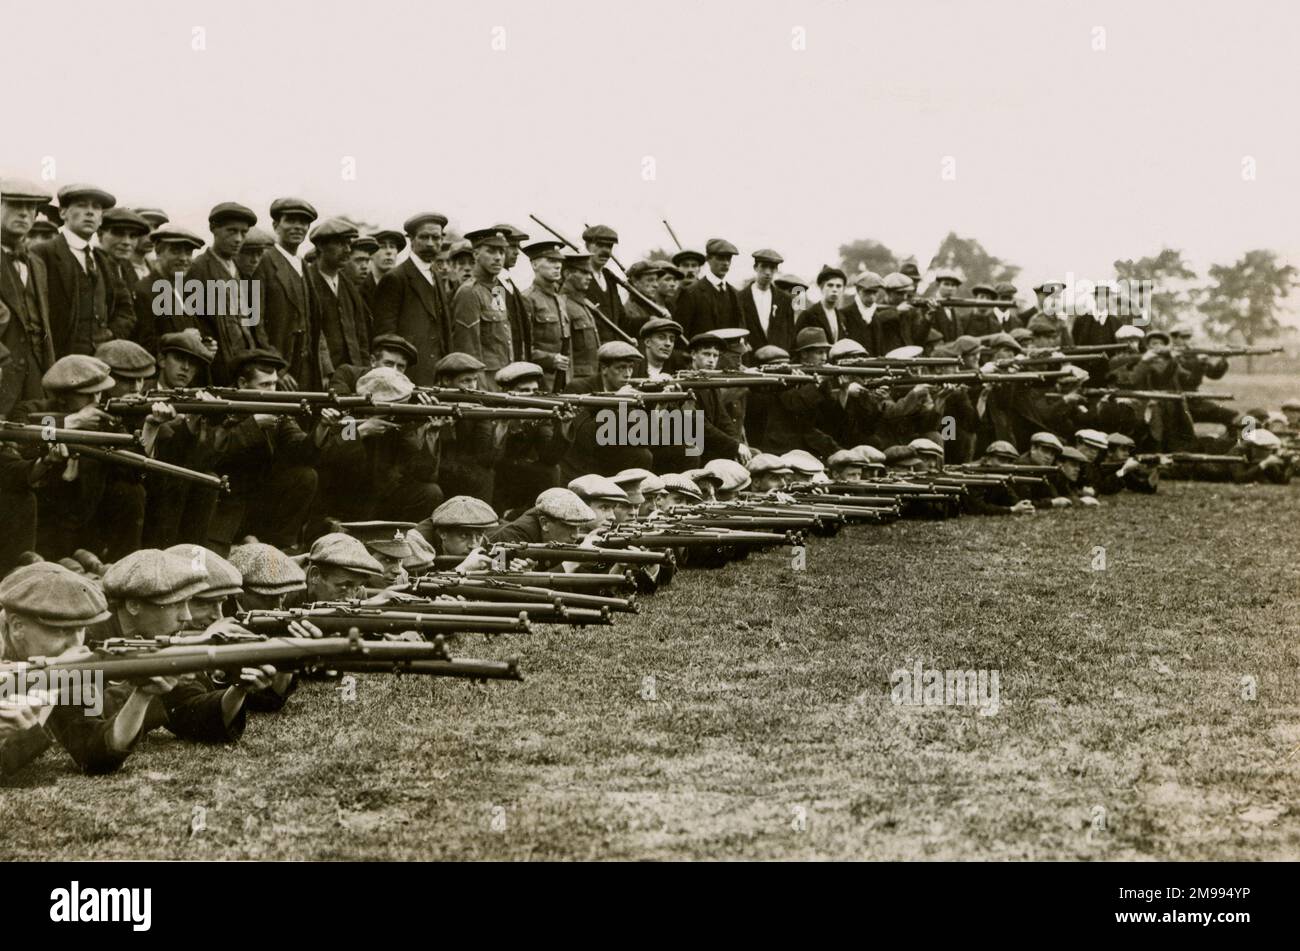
column 46, row 610
column 528, row 450
column 382, row 468
column 386, row 542
column 1120, row 470
column 558, row 516
column 1045, row 450
column 460, row 527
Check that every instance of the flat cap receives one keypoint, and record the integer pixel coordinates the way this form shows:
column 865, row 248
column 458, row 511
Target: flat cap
column 1153, row 335
column 267, row 357
column 682, row 484
column 53, row 595
column 1043, row 285
column 24, row 190
column 802, row 462
column 513, row 373
column 968, row 344
column 1021, row 335
column 1262, row 439
column 687, row 256
column 640, row 269
column 734, row 476
column 1091, row 437
column 652, row 485
column 155, row 216
column 1005, row 290
column 845, row 457
column 77, row 373
column 363, row 242
column 770, row 353
column 767, row 462
column 415, row 222
column 456, row 363
column 340, row 550
column 828, row 273
column 720, row 247
column 592, row 486
column 900, row 455
column 1291, row 403
column 387, row 538
column 1005, row 341
column 1070, row 454
column 397, row 343
column 488, row 237
column 124, row 219
column 126, row 359
column 869, row 281
column 545, row 249
column 600, row 233
column 267, row 570
column 869, row 454
column 896, row 281
column 385, row 385
column 563, row 505
column 668, row 267
column 616, row 350
column 1040, row 324
column 188, row 341
column 811, row 338
column 389, row 236
column 168, row 234
column 1129, row 332
column 702, row 475
column 464, row 511
column 659, row 324
column 909, row 268
column 333, row 229
column 1046, row 439
column 946, row 275
column 983, row 290
column 1119, row 439
column 258, row 238
column 846, row 347
column 910, row 352
column 70, row 194
column 926, row 447
column 156, row 576
column 788, row 282
column 767, row 256
column 231, row 211
column 223, row 579
column 300, row 206
column 1001, row 447
column 42, row 227
column 423, row 556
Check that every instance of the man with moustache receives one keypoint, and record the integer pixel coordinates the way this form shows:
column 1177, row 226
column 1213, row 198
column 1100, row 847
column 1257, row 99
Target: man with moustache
column 710, row 302
column 86, row 300
column 766, row 309
column 25, row 327
column 409, row 300
column 231, row 323
column 548, row 315
column 603, row 289
column 286, row 301
column 480, row 318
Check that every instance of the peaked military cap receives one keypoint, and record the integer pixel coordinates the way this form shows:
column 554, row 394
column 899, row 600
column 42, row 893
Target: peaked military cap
column 545, row 249
column 53, row 595
column 155, row 576
column 513, row 234
column 387, row 538
column 488, row 237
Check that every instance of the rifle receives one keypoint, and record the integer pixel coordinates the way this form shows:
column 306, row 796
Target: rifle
column 901, row 362
column 673, row 234
column 797, row 373
column 609, row 323
column 497, row 585
column 120, row 659
column 722, row 379
column 1233, row 351
column 456, row 411
column 302, row 398
column 379, row 620
column 655, row 306
column 1166, row 395
column 554, row 611
column 1009, row 469
column 974, row 376
column 961, row 302
column 19, row 432
column 1159, row 459
column 549, row 401
column 557, row 551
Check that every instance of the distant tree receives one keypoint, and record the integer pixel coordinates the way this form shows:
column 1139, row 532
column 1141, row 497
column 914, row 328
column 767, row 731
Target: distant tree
column 1172, row 295
column 1241, row 305
column 968, row 257
column 658, row 254
column 867, row 255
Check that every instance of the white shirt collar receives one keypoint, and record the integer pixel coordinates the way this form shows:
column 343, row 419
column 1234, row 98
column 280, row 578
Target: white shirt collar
column 295, row 262
column 866, row 312
column 331, row 282
column 425, row 269
column 717, row 282
column 75, row 242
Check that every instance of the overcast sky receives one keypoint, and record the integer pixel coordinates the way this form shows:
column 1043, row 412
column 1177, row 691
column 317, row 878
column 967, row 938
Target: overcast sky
column 1066, row 157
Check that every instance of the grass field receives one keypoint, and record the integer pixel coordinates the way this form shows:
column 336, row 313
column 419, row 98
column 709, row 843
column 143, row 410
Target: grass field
column 1123, row 729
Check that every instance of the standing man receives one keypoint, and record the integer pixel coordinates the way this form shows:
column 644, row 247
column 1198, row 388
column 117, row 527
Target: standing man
column 384, row 259
column 409, row 300
column 710, row 302
column 946, row 319
column 582, row 320
column 256, row 243
column 766, row 310
column 603, row 289
column 340, row 313
column 142, row 258
column 86, row 301
column 690, row 262
column 25, row 329
column 520, row 329
column 286, row 306
column 173, row 253
column 644, row 277
column 119, row 233
column 357, row 266
column 225, row 312
column 548, row 314
column 480, row 318
column 825, row 313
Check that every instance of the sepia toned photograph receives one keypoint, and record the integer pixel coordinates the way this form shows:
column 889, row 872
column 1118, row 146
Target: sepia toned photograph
column 786, row 431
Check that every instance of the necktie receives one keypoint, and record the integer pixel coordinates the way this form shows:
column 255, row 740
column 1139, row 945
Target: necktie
column 90, row 262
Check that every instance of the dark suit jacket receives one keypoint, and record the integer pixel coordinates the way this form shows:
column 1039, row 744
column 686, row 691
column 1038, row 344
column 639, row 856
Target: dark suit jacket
column 229, row 330
column 701, row 307
column 408, row 305
column 849, row 323
column 25, row 334
column 521, row 326
column 780, row 326
column 610, row 304
column 68, row 326
column 287, row 319
column 343, row 320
